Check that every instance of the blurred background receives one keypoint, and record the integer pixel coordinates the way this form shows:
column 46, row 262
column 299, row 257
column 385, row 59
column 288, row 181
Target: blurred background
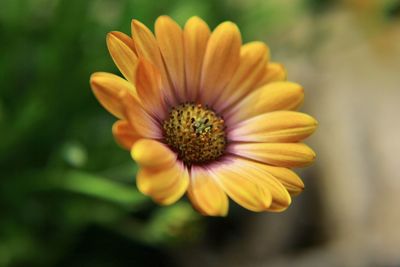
column 67, row 191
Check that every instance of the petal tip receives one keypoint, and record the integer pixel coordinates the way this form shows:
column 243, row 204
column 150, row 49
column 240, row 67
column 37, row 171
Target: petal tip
column 316, row 123
column 97, row 78
column 229, row 27
column 195, row 18
column 229, row 23
column 164, row 18
column 136, row 25
column 196, row 21
column 111, row 36
column 93, row 78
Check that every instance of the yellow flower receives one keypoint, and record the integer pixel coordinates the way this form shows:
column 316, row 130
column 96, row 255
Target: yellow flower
column 203, row 113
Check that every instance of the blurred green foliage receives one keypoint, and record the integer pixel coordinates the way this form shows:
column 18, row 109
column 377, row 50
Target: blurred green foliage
column 61, row 171
column 67, row 193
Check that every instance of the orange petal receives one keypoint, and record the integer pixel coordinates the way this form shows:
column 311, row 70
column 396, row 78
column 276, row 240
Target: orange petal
column 152, row 154
column 280, row 196
column 253, row 58
column 274, row 72
column 144, row 124
column 279, row 154
column 170, row 40
column 289, row 179
column 205, row 194
column 165, row 185
column 120, row 47
column 238, row 183
column 147, row 47
column 259, row 176
column 125, row 134
column 126, row 39
column 148, row 86
column 196, row 34
column 107, row 87
column 271, row 97
column 220, row 61
column 277, row 126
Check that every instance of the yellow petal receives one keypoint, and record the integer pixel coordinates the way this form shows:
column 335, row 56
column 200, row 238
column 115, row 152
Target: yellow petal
column 144, row 124
column 277, row 208
column 240, row 186
column 258, row 175
column 205, row 194
column 124, row 134
column 170, row 40
column 126, row 39
column 147, row 47
column 148, row 86
column 253, row 58
column 152, row 154
column 165, row 185
column 289, row 179
column 279, row 154
column 281, row 199
column 196, row 34
column 121, row 52
column 271, row 97
column 220, row 61
column 277, row 126
column 107, row 87
column 274, row 72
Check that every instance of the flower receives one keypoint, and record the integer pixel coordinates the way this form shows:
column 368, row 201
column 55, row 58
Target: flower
column 203, row 113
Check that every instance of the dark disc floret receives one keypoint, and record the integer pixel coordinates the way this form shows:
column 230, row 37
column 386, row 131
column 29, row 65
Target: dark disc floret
column 196, row 133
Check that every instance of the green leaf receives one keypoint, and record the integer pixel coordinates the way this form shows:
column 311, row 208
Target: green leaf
column 103, row 188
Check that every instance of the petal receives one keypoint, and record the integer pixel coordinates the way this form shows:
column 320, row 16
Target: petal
column 205, row 194
column 253, row 58
column 144, row 124
column 196, row 34
column 107, row 87
column 271, row 97
column 220, row 61
column 125, row 134
column 152, row 154
column 280, row 196
column 120, row 47
column 147, row 47
column 240, row 186
column 277, row 126
column 274, row 72
column 289, row 179
column 126, row 39
column 258, row 175
column 170, row 40
column 165, row 185
column 279, row 154
column 148, row 86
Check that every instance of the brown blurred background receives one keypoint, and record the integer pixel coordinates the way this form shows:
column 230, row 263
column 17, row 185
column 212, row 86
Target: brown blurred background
column 68, row 195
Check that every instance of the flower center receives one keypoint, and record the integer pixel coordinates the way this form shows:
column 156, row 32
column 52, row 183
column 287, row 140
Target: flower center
column 195, row 132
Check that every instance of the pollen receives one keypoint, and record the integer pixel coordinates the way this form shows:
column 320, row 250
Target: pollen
column 196, row 133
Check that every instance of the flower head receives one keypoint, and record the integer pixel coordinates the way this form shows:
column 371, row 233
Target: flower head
column 203, row 113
